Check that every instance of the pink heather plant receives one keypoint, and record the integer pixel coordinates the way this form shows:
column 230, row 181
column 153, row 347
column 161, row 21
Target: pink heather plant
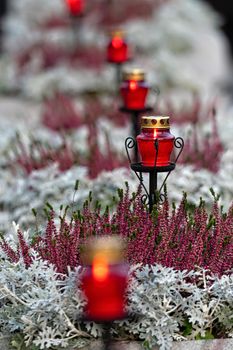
column 59, row 113
column 38, row 156
column 203, row 151
column 97, row 161
column 89, row 56
column 108, row 12
column 180, row 238
column 197, row 112
column 95, row 109
column 55, row 22
column 50, row 56
column 112, row 112
column 199, row 150
column 116, row 12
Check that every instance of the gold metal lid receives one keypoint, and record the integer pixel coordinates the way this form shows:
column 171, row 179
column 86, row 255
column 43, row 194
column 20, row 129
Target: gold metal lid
column 157, row 122
column 134, row 74
column 117, row 33
column 110, row 249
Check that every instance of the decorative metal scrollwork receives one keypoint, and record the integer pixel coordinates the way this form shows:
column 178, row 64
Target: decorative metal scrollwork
column 152, row 196
column 179, row 144
column 162, row 198
column 145, row 199
column 130, row 143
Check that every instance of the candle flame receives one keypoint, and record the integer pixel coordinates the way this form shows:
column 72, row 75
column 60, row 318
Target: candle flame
column 100, row 268
column 132, row 85
column 155, row 133
column 117, row 42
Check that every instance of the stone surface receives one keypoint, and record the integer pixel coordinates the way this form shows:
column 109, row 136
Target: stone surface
column 4, row 344
column 216, row 344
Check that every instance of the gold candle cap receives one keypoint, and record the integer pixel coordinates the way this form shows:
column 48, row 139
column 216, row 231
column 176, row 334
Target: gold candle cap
column 134, row 74
column 157, row 122
column 117, row 33
column 110, row 249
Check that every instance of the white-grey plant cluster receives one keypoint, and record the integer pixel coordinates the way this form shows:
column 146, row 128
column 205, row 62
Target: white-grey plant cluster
column 19, row 193
column 163, row 305
column 50, row 185
column 166, row 300
column 40, row 303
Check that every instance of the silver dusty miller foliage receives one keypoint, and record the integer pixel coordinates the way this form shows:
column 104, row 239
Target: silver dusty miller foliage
column 163, row 300
column 48, row 307
column 42, row 304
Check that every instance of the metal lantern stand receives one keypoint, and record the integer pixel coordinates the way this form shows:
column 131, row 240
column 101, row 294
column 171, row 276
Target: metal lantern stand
column 152, row 195
column 107, row 335
column 106, row 329
column 118, row 73
column 135, row 114
column 118, row 68
column 76, row 23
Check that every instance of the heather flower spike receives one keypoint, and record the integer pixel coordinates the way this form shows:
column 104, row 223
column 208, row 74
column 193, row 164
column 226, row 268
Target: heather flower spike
column 181, row 238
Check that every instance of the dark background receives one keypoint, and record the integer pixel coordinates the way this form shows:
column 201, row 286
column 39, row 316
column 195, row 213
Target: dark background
column 225, row 8
column 3, row 6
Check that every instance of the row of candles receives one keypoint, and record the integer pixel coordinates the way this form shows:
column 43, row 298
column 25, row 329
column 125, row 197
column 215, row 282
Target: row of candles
column 105, row 279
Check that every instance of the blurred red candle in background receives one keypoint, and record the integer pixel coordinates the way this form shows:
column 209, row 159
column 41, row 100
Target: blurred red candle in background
column 134, row 89
column 153, row 128
column 117, row 49
column 105, row 280
column 75, row 7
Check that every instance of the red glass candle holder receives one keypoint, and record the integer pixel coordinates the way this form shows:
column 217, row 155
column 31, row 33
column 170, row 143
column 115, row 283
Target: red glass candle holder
column 105, row 281
column 153, row 128
column 75, row 7
column 134, row 89
column 117, row 49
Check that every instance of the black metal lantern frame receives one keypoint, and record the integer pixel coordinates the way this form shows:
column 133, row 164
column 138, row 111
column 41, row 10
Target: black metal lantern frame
column 118, row 69
column 152, row 195
column 135, row 125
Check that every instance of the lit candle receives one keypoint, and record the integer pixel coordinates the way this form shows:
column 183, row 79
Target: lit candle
column 75, row 7
column 104, row 280
column 155, row 128
column 134, row 89
column 117, row 49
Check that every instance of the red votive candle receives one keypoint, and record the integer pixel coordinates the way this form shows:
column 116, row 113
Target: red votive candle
column 153, row 128
column 105, row 281
column 117, row 49
column 75, row 7
column 134, row 89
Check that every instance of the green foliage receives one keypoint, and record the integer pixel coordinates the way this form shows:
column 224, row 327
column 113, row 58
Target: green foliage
column 208, row 336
